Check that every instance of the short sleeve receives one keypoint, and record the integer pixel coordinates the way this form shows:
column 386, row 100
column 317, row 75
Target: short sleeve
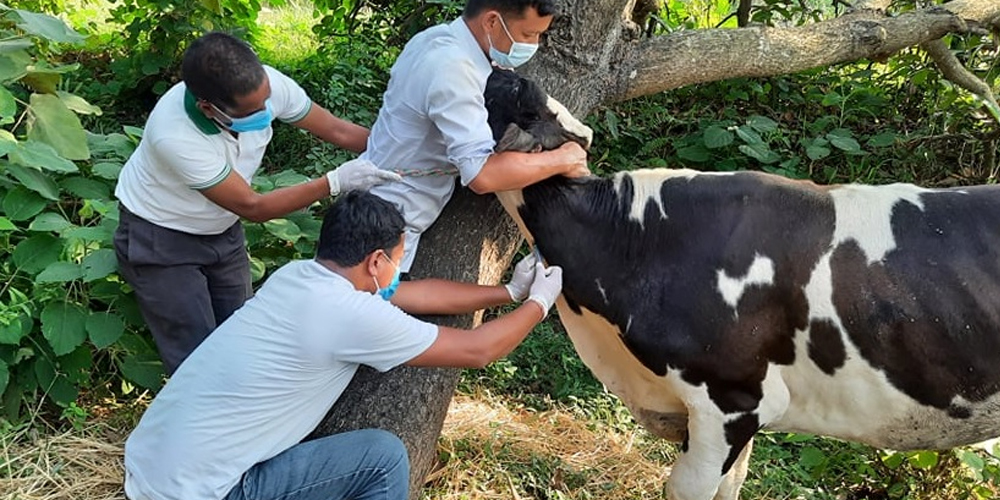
column 196, row 161
column 373, row 332
column 456, row 105
column 288, row 100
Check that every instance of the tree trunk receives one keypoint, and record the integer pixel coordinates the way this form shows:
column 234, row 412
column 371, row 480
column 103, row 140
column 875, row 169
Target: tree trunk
column 598, row 55
column 473, row 241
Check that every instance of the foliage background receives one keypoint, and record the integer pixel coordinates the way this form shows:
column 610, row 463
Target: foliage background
column 78, row 82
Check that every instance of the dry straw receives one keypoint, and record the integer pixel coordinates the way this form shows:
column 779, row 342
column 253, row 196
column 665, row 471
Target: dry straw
column 86, row 464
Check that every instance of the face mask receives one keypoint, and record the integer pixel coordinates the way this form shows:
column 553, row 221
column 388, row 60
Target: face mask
column 259, row 120
column 519, row 53
column 387, row 292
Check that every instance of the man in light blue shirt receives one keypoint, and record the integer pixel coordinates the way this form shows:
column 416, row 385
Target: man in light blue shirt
column 433, row 126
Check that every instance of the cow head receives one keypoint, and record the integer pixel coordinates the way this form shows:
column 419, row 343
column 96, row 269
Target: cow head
column 524, row 118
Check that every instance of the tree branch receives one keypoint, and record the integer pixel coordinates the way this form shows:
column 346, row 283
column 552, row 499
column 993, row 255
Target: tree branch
column 689, row 57
column 953, row 70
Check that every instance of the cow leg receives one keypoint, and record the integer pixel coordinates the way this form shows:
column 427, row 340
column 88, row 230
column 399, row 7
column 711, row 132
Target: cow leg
column 713, row 465
column 733, row 481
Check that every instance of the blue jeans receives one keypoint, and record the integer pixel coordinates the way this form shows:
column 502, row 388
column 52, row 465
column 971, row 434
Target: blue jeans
column 369, row 464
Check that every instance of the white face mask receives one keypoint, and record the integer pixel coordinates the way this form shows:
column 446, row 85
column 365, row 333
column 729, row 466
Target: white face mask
column 519, row 54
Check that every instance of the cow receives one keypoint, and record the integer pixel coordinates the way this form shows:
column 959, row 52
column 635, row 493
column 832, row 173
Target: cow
column 715, row 305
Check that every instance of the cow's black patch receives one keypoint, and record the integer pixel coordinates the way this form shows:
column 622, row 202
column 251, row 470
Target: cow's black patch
column 928, row 314
column 659, row 278
column 738, row 434
column 826, row 347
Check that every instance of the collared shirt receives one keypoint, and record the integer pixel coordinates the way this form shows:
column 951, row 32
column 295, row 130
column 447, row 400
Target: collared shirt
column 433, row 120
column 264, row 380
column 182, row 152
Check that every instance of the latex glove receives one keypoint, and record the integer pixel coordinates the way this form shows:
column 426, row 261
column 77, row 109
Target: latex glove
column 358, row 174
column 524, row 275
column 546, row 286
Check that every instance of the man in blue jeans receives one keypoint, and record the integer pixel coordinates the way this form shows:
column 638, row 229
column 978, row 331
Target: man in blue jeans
column 228, row 424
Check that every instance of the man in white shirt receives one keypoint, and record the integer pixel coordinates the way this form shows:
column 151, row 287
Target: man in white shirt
column 228, row 424
column 184, row 189
column 433, row 122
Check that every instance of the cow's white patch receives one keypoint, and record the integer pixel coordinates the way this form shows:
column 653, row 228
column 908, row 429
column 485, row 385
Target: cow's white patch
column 600, row 288
column 570, row 122
column 647, row 184
column 761, row 272
column 864, row 214
column 511, row 200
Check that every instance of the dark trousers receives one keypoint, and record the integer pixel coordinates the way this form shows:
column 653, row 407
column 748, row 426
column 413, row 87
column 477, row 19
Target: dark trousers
column 185, row 284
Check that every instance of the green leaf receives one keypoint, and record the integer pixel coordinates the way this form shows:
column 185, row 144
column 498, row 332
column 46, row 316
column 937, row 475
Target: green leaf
column 104, row 328
column 60, row 272
column 288, row 178
column 695, row 153
column 35, row 180
column 14, row 65
column 49, row 221
column 15, row 45
column 816, row 152
column 924, row 459
column 831, row 99
column 761, row 152
column 78, row 104
column 6, row 224
column 8, row 107
column 42, row 82
column 284, row 229
column 812, row 457
column 13, row 332
column 4, row 376
column 972, row 460
column 99, row 263
column 77, row 364
column 36, row 253
column 46, row 26
column 22, row 204
column 88, row 189
column 882, row 140
column 57, row 126
column 56, row 386
column 749, row 135
column 848, row 144
column 103, row 234
column 145, row 370
column 8, row 142
column 717, row 137
column 107, row 170
column 64, row 326
column 762, row 124
column 42, row 156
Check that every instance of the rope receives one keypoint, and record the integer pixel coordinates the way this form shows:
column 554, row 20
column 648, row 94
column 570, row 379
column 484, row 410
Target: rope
column 433, row 172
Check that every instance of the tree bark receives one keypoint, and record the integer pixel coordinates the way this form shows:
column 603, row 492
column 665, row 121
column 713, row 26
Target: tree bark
column 592, row 56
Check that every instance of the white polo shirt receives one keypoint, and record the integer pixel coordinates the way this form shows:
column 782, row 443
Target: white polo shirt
column 432, row 120
column 183, row 152
column 263, row 381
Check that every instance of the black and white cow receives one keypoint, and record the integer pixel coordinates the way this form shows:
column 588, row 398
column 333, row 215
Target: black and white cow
column 719, row 304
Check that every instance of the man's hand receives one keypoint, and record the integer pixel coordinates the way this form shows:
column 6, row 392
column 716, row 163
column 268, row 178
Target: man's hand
column 546, row 286
column 521, row 280
column 358, row 174
column 575, row 158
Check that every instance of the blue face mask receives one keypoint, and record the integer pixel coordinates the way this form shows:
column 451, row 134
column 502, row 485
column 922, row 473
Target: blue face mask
column 259, row 120
column 519, row 53
column 387, row 292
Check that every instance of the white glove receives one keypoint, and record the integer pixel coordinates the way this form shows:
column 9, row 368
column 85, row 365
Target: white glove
column 546, row 287
column 358, row 174
column 520, row 281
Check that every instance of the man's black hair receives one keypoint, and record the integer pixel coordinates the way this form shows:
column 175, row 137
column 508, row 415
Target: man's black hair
column 219, row 67
column 509, row 8
column 357, row 224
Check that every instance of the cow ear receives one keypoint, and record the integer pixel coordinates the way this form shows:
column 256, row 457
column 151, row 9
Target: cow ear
column 516, row 139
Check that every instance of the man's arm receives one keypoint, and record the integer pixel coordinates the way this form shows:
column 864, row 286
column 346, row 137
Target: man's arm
column 438, row 296
column 515, row 170
column 336, row 131
column 495, row 339
column 235, row 195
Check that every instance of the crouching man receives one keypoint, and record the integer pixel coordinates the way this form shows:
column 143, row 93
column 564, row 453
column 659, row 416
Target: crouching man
column 229, row 422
